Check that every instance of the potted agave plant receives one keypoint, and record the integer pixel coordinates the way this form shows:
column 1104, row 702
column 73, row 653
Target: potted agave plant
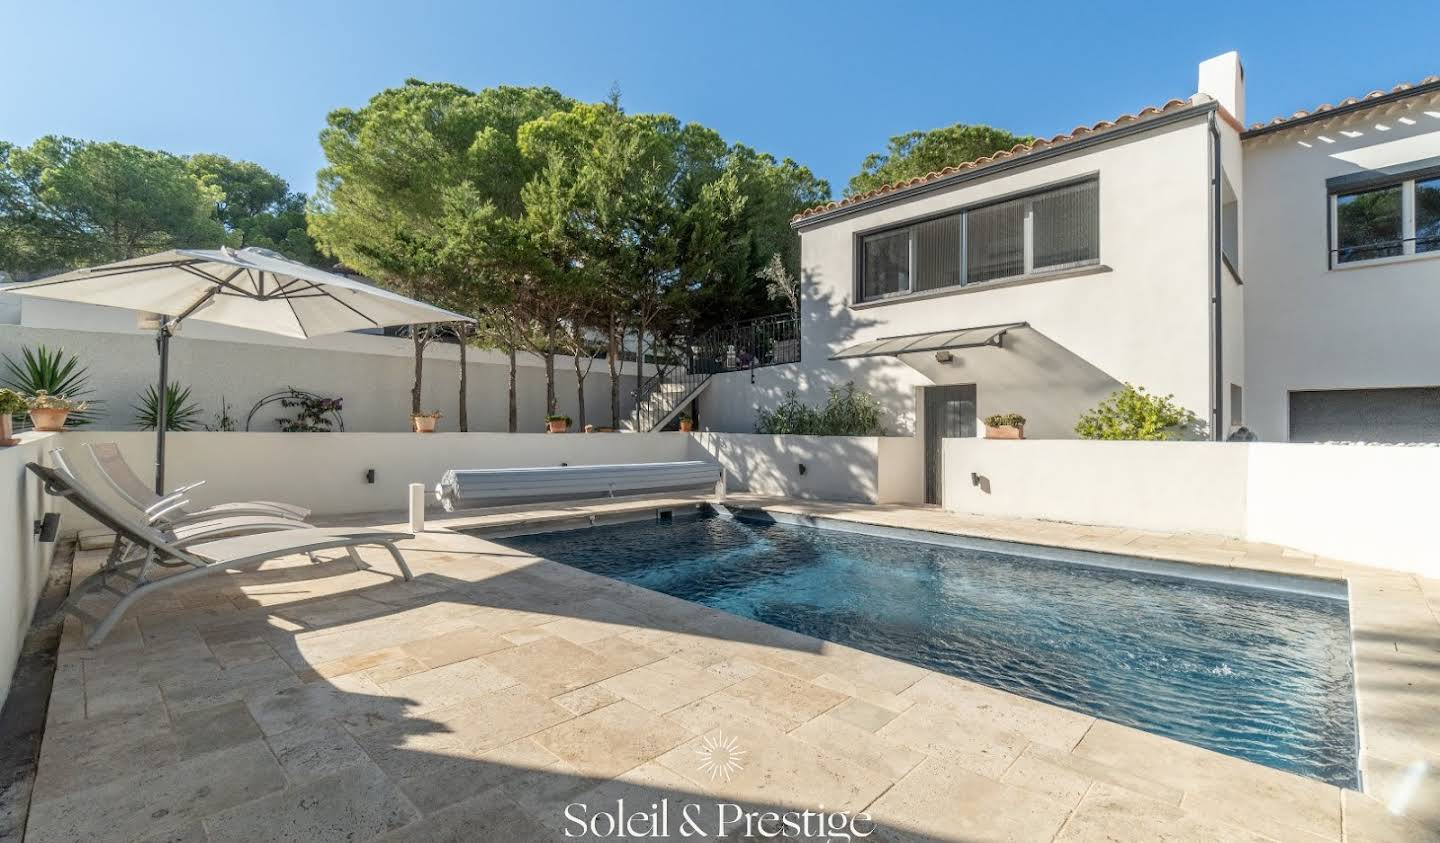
column 1005, row 426
column 48, row 412
column 11, row 402
column 425, row 421
column 687, row 422
column 557, row 424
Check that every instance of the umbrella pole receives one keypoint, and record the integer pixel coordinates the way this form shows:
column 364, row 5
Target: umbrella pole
column 161, row 402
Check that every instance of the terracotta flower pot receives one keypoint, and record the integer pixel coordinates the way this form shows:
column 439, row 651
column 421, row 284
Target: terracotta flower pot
column 558, row 426
column 1008, row 431
column 425, row 424
column 686, row 425
column 7, row 431
column 48, row 420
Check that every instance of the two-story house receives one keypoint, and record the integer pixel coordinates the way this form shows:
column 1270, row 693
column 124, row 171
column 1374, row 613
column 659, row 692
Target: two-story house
column 1276, row 277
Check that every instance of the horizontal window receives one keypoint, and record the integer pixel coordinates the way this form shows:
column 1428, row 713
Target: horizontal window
column 1385, row 221
column 1043, row 232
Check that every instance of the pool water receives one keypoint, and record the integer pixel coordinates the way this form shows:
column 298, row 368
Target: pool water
column 1260, row 674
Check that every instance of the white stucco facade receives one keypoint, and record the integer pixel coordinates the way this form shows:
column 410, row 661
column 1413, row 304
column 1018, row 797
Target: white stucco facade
column 1218, row 291
column 1362, row 325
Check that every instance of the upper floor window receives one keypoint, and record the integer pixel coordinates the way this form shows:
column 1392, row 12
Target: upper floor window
column 1047, row 231
column 1385, row 220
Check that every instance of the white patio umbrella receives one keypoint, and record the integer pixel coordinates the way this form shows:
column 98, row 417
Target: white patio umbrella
column 246, row 288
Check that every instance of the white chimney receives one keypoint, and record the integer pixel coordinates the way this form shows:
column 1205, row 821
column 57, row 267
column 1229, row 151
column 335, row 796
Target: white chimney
column 1223, row 79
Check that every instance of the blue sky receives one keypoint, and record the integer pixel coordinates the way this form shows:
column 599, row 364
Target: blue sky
column 823, row 83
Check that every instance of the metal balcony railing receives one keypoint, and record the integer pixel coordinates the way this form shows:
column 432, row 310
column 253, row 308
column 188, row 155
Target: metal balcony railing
column 737, row 347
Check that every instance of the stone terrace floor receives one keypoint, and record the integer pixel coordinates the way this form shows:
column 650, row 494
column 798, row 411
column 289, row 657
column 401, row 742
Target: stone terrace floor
column 303, row 701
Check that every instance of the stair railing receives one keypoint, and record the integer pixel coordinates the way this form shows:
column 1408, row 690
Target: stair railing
column 739, row 346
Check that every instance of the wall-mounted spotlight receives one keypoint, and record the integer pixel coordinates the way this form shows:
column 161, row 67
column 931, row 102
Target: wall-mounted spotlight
column 943, row 357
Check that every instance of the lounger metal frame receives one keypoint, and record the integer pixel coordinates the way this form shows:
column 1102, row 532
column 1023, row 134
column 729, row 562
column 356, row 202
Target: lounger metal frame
column 171, row 506
column 163, row 552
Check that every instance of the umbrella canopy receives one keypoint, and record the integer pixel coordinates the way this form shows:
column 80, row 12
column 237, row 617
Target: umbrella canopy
column 245, row 288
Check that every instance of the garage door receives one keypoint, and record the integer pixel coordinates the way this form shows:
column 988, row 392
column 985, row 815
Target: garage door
column 1366, row 415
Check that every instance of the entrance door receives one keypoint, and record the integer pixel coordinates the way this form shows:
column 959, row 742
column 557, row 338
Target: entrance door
column 949, row 414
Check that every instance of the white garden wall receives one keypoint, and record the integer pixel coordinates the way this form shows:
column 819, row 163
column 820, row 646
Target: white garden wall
column 1371, row 504
column 1150, row 485
column 862, row 469
column 24, row 560
column 326, row 471
column 372, row 373
column 1367, row 504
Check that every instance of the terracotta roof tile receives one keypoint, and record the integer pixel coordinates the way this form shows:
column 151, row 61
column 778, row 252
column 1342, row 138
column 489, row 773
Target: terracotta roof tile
column 1017, row 150
column 1348, row 101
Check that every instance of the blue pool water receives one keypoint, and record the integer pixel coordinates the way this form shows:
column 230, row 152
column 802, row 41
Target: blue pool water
column 1263, row 675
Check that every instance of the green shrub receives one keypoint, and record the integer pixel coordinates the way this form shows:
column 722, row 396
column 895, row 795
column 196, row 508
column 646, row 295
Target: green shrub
column 11, row 402
column 1133, row 414
column 847, row 412
column 54, row 372
column 1005, row 420
column 181, row 413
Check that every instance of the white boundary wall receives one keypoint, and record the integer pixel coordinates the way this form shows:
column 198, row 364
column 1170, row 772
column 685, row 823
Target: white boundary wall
column 24, row 560
column 325, row 472
column 1368, row 504
column 861, row 469
column 373, row 374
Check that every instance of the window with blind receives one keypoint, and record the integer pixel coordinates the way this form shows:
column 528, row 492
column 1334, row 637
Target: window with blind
column 1048, row 231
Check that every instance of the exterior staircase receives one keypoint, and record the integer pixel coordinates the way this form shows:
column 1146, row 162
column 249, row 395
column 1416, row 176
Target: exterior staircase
column 664, row 399
column 737, row 347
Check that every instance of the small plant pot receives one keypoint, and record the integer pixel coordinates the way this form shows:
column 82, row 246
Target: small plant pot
column 48, row 420
column 425, row 424
column 686, row 425
column 559, row 426
column 7, row 431
column 1007, row 431
column 589, row 428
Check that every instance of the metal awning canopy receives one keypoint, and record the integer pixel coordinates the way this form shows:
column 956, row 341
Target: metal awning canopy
column 955, row 338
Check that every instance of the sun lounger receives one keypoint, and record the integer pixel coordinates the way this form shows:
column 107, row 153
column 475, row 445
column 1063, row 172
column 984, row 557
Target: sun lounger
column 492, row 486
column 196, row 560
column 173, row 506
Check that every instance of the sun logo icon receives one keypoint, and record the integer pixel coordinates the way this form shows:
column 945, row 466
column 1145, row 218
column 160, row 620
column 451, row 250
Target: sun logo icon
column 720, row 756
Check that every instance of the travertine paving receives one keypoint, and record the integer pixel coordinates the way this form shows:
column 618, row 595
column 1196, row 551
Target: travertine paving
column 313, row 701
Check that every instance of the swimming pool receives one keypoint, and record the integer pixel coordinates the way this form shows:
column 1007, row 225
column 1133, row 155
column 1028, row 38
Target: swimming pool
column 1260, row 673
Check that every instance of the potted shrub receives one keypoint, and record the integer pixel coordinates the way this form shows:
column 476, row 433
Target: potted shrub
column 557, row 424
column 425, row 421
column 11, row 402
column 1005, row 426
column 48, row 412
column 687, row 423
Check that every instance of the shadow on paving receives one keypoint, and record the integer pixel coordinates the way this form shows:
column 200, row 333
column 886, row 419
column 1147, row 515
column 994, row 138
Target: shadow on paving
column 265, row 718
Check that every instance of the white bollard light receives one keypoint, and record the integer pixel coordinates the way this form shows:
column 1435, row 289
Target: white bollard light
column 417, row 507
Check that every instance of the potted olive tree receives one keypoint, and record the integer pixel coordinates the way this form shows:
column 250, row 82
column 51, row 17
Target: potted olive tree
column 11, row 402
column 1005, row 426
column 48, row 412
column 557, row 423
column 425, row 421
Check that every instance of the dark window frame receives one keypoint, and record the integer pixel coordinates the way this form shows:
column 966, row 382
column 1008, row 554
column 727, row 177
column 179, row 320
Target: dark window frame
column 910, row 224
column 1351, row 184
